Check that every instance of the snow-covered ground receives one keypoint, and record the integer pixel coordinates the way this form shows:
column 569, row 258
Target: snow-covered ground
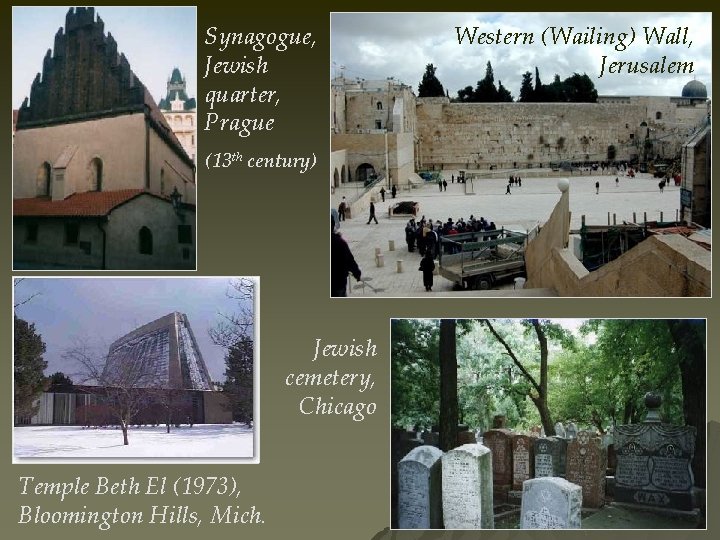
column 200, row 441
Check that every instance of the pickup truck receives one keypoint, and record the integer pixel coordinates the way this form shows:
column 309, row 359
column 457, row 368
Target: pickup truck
column 478, row 260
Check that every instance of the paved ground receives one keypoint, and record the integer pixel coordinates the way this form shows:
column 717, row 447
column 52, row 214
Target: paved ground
column 525, row 208
column 620, row 517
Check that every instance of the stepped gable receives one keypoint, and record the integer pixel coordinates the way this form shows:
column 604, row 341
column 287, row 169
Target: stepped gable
column 84, row 77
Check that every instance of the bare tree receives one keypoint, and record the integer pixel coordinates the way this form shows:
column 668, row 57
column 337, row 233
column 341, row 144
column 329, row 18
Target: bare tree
column 123, row 380
column 236, row 327
column 19, row 303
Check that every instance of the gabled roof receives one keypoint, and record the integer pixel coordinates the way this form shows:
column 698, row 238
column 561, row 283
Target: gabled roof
column 88, row 204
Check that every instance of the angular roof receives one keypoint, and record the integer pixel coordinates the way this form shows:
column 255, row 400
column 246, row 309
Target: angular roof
column 88, row 204
column 163, row 354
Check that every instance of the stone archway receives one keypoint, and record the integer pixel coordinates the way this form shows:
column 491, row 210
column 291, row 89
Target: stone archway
column 364, row 172
column 336, row 178
column 343, row 174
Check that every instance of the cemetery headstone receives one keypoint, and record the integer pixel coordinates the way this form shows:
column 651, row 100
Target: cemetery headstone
column 523, row 459
column 431, row 438
column 550, row 503
column 586, row 465
column 499, row 443
column 550, row 456
column 499, row 421
column 467, row 488
column 466, row 437
column 653, row 462
column 571, row 430
column 560, row 430
column 419, row 489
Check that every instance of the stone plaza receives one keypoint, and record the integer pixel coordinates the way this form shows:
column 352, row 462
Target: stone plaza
column 528, row 206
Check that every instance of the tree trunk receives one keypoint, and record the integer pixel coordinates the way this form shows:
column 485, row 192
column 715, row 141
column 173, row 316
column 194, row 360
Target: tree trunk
column 689, row 338
column 124, row 428
column 541, row 402
column 448, row 385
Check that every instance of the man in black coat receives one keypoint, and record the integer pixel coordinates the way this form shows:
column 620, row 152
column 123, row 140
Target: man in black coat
column 372, row 214
column 342, row 263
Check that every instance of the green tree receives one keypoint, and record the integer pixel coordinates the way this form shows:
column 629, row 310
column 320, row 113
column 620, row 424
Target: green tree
column 415, row 370
column 486, row 92
column 466, row 95
column 529, row 357
column 538, row 92
column 448, row 385
column 688, row 337
column 59, row 379
column 526, row 88
column 29, row 368
column 579, row 89
column 504, row 94
column 430, row 86
column 238, row 384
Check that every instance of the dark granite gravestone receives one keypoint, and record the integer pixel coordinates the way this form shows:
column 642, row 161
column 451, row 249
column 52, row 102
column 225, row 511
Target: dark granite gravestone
column 586, row 465
column 419, row 491
column 499, row 421
column 550, row 456
column 550, row 503
column 499, row 443
column 466, row 437
column 523, row 460
column 653, row 463
column 467, row 488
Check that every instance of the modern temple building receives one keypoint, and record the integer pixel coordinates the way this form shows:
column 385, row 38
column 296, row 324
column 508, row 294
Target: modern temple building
column 160, row 358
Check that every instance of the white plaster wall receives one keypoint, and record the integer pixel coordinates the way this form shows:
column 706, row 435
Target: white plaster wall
column 123, row 229
column 118, row 141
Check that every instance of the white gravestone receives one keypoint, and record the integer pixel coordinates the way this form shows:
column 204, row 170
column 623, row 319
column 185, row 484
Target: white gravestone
column 560, row 430
column 550, row 503
column 419, row 495
column 467, row 488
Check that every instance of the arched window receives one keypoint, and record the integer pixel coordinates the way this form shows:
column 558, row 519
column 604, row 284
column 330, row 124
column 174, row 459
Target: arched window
column 190, row 120
column 379, row 105
column 96, row 174
column 42, row 182
column 146, row 241
column 658, row 115
column 162, row 181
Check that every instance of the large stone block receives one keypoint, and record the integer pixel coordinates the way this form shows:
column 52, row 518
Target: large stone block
column 550, row 503
column 467, row 488
column 419, row 489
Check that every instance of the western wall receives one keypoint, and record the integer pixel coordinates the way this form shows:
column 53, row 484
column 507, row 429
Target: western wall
column 532, row 135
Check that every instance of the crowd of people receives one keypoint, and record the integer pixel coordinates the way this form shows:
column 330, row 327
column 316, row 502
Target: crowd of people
column 427, row 235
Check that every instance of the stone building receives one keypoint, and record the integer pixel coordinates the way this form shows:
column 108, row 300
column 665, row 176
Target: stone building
column 99, row 179
column 372, row 131
column 433, row 133
column 180, row 111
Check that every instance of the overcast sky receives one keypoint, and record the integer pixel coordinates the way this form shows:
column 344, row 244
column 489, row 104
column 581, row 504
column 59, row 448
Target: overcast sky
column 154, row 39
column 100, row 310
column 377, row 46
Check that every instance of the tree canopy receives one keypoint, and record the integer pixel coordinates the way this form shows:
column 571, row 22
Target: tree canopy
column 536, row 372
column 29, row 368
column 430, row 85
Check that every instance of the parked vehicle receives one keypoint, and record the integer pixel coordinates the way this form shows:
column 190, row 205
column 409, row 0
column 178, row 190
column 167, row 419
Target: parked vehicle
column 479, row 260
